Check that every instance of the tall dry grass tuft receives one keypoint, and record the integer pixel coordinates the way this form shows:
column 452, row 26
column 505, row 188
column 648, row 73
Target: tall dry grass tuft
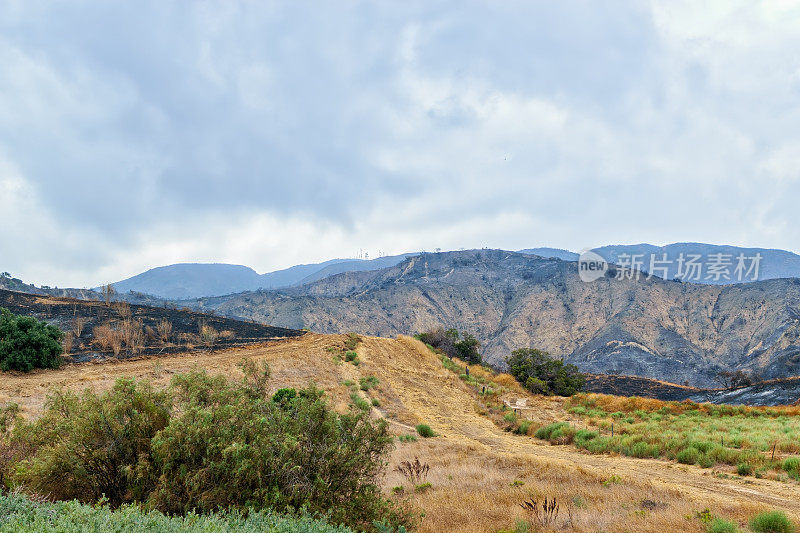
column 208, row 335
column 107, row 338
column 164, row 329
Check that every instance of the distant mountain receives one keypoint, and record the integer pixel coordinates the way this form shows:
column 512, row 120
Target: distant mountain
column 191, row 280
column 185, row 281
column 670, row 261
column 678, row 332
column 773, row 264
column 547, row 253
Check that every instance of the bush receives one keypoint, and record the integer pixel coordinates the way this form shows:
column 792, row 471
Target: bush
column 720, row 525
column 524, row 427
column 541, row 374
column 425, row 430
column 283, row 396
column 545, row 432
column 27, row 343
column 368, row 382
column 791, row 465
column 771, row 522
column 208, row 444
column 744, row 469
column 89, row 446
column 688, row 456
column 642, row 450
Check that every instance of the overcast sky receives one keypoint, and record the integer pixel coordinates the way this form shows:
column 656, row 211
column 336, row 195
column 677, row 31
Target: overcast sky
column 139, row 134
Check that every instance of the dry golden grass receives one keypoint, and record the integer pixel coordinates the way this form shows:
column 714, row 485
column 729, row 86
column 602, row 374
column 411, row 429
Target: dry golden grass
column 479, row 473
column 629, row 404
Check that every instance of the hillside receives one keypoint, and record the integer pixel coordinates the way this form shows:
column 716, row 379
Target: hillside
column 82, row 322
column 666, row 330
column 479, row 473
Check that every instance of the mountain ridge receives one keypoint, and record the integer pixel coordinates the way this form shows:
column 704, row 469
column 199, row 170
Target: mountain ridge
column 196, row 280
column 652, row 328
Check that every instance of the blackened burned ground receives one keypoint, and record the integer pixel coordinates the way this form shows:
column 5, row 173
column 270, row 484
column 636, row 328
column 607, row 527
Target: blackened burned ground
column 636, row 386
column 784, row 391
column 62, row 312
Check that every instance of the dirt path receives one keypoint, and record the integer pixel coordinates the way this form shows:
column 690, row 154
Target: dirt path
column 450, row 410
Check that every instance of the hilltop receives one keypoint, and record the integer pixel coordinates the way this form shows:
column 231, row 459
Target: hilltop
column 667, row 330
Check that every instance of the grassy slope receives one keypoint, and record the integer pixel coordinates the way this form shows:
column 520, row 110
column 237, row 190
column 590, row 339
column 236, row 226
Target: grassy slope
column 478, row 471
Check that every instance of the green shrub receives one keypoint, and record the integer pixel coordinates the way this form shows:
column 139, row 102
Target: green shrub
column 542, row 374
column 359, row 402
column 720, row 525
column 545, row 432
column 583, row 437
column 510, row 418
column 351, row 341
column 423, row 487
column 407, row 438
column 688, row 456
column 283, row 396
column 368, row 382
column 209, row 444
column 91, row 445
column 425, row 430
column 791, row 465
column 771, row 522
column 376, row 402
column 27, row 343
column 642, row 450
column 705, row 461
column 351, row 356
column 744, row 469
column 524, row 427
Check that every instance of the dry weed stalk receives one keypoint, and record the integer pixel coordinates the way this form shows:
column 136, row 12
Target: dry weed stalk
column 415, row 471
column 544, row 514
column 78, row 324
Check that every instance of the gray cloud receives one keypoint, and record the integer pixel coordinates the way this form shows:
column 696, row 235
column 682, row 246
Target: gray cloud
column 136, row 134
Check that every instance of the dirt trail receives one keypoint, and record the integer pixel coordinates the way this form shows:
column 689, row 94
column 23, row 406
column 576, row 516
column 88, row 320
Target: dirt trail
column 442, row 400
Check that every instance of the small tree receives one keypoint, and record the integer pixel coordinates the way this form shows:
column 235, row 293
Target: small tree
column 452, row 345
column 27, row 343
column 542, row 374
column 467, row 350
column 736, row 379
